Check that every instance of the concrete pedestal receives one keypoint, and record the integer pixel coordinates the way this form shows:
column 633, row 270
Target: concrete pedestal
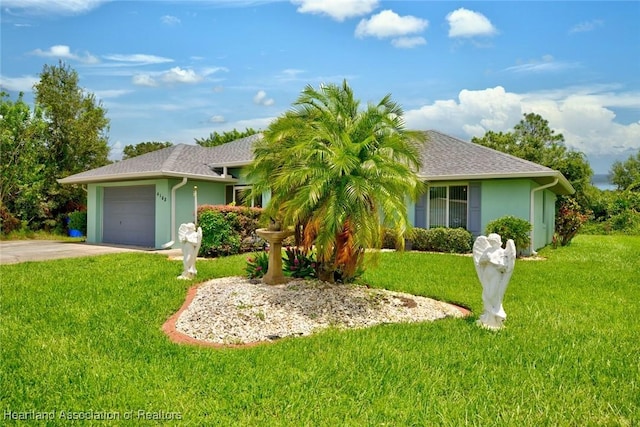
column 274, row 274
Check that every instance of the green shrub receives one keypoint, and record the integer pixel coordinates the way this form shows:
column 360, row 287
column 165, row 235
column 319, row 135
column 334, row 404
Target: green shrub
column 229, row 230
column 452, row 240
column 613, row 212
column 420, row 239
column 218, row 236
column 78, row 221
column 299, row 263
column 627, row 221
column 389, row 238
column 257, row 265
column 8, row 222
column 511, row 227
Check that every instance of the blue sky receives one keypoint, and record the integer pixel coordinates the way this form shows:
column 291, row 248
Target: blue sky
column 179, row 70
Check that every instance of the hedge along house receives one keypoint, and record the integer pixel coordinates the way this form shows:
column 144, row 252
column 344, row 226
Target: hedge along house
column 141, row 201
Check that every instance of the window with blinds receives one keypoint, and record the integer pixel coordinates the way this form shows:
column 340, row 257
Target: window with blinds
column 448, row 206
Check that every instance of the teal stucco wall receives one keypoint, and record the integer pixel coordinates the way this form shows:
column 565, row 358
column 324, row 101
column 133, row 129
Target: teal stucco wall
column 501, row 197
column 208, row 193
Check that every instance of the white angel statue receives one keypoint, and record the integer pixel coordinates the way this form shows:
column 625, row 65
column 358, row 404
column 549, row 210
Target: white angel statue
column 494, row 266
column 191, row 240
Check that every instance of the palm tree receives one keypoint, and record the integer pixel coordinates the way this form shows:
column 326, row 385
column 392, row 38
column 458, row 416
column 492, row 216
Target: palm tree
column 337, row 174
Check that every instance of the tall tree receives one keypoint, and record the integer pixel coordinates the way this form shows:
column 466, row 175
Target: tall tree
column 626, row 175
column 76, row 136
column 21, row 154
column 337, row 173
column 214, row 139
column 533, row 140
column 130, row 151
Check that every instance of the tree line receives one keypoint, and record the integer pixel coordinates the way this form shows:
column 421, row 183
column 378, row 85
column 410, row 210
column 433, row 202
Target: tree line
column 66, row 132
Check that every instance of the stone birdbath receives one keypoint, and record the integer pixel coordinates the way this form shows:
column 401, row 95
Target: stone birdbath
column 274, row 274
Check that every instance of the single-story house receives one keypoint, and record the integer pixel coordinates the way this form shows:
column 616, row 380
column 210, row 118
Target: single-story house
column 143, row 200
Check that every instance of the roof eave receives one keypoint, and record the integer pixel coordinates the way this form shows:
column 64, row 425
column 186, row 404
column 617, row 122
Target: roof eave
column 230, row 164
column 144, row 175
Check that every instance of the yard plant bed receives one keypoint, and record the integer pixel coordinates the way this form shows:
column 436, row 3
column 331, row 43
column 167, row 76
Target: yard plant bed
column 83, row 336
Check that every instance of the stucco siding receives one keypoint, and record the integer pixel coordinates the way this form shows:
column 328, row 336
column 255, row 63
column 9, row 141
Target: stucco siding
column 209, row 193
column 95, row 208
column 544, row 218
column 94, row 212
column 501, row 197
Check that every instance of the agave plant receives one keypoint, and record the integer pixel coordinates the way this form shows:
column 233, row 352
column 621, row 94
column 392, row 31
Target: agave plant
column 337, row 173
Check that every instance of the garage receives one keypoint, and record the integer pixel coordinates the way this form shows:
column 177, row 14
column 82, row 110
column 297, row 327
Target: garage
column 129, row 215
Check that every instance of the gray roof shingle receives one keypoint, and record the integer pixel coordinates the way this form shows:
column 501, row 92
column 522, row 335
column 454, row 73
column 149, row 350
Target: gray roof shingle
column 443, row 158
column 175, row 161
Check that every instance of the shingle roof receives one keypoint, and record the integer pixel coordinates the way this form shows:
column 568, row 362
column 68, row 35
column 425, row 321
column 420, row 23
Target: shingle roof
column 235, row 153
column 444, row 158
column 176, row 161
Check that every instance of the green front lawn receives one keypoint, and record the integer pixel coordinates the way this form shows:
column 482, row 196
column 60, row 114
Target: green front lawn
column 83, row 335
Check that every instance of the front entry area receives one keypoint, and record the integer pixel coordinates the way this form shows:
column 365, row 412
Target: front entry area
column 129, row 215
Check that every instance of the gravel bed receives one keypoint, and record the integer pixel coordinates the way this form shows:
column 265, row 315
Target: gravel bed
column 236, row 310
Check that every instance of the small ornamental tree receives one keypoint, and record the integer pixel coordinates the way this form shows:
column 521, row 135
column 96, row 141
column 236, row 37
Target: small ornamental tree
column 569, row 219
column 336, row 173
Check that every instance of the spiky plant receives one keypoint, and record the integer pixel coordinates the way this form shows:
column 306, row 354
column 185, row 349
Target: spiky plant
column 337, row 173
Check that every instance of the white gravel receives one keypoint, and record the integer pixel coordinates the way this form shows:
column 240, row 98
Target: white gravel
column 235, row 310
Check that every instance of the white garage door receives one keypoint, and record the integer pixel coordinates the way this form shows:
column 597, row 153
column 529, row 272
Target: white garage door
column 129, row 215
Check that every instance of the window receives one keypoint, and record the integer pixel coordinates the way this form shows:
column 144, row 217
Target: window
column 237, row 193
column 448, row 206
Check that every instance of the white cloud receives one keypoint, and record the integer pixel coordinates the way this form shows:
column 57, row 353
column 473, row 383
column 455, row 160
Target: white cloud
column 337, row 9
column 64, row 52
column 212, row 70
column 56, row 7
column 116, row 149
column 586, row 26
column 467, row 23
column 261, row 99
column 389, row 24
column 170, row 20
column 583, row 115
column 18, row 84
column 179, row 75
column 542, row 67
column 290, row 74
column 217, row 119
column 545, row 65
column 138, row 59
column 408, row 42
column 171, row 76
column 144, row 80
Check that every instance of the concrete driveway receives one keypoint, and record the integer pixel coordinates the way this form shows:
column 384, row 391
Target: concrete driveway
column 16, row 251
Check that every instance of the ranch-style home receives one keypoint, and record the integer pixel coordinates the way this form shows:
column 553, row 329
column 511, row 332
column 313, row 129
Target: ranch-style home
column 143, row 200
